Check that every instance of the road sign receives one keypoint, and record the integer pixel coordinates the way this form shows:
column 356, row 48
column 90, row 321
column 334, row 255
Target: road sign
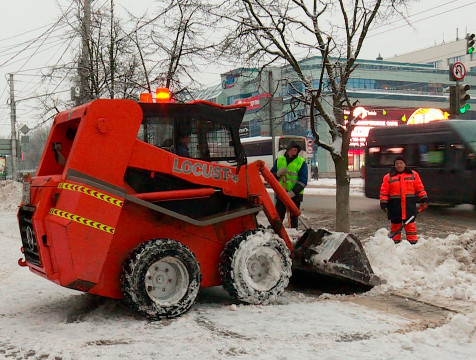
column 5, row 147
column 25, row 129
column 458, row 71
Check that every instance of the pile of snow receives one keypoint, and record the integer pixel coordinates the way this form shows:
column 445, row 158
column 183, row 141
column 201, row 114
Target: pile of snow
column 10, row 195
column 433, row 268
column 461, row 328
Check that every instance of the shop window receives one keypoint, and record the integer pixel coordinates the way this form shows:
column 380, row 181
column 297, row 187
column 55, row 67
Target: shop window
column 294, row 88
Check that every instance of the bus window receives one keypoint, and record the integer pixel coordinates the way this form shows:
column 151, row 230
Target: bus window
column 432, row 155
column 470, row 161
column 411, row 154
column 284, row 142
column 389, row 154
column 374, row 156
column 456, row 156
column 258, row 148
column 261, row 147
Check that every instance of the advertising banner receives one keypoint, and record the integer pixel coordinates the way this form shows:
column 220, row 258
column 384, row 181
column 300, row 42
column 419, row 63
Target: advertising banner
column 3, row 167
column 253, row 100
column 372, row 117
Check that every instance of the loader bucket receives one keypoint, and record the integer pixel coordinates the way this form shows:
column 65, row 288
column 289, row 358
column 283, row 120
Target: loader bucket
column 339, row 255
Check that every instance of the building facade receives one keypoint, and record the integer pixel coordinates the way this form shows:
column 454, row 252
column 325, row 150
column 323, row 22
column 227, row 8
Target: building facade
column 440, row 56
column 390, row 93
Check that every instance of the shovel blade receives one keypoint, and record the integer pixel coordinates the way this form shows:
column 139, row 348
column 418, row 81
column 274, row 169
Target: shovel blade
column 335, row 254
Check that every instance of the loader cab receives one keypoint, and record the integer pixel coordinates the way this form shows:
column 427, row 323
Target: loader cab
column 208, row 132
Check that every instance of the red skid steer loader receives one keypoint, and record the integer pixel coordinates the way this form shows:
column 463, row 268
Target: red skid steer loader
column 151, row 200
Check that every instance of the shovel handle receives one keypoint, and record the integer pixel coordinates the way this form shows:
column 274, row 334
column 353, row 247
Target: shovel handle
column 401, row 226
column 420, row 209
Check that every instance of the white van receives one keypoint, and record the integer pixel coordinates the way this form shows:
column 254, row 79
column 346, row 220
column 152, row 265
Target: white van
column 261, row 147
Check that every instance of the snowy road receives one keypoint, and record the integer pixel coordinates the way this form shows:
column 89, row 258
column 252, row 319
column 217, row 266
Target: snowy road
column 40, row 320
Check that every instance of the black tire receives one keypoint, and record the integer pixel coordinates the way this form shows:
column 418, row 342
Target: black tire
column 255, row 266
column 161, row 279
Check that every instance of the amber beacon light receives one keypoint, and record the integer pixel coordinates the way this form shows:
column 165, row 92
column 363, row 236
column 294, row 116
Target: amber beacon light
column 162, row 95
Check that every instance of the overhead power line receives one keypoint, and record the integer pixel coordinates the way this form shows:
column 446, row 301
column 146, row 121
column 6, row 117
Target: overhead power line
column 33, row 41
column 426, row 18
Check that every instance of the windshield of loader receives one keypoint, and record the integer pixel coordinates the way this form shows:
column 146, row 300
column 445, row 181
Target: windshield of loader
column 188, row 134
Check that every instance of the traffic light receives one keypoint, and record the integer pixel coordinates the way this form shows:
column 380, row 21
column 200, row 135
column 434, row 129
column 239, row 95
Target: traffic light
column 458, row 98
column 469, row 43
column 454, row 100
column 463, row 97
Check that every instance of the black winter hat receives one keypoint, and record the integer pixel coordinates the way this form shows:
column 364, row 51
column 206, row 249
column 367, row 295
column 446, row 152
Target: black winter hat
column 399, row 158
column 294, row 144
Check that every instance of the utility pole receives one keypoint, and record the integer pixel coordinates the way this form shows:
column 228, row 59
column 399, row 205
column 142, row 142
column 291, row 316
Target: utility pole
column 83, row 70
column 13, row 118
column 270, row 107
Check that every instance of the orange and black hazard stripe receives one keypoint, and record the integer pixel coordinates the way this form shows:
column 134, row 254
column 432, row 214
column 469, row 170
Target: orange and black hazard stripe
column 94, row 193
column 82, row 220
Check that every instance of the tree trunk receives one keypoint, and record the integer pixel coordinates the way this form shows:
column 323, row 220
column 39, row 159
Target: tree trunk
column 342, row 195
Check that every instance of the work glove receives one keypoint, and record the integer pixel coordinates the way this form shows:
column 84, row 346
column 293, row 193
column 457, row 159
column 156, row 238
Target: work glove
column 281, row 172
column 291, row 194
column 423, row 203
column 384, row 206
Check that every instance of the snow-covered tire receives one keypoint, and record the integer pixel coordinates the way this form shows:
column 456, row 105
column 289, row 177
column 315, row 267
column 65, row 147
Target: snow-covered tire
column 161, row 279
column 255, row 266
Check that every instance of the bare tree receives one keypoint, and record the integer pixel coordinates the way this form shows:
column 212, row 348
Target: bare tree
column 113, row 67
column 273, row 31
column 173, row 40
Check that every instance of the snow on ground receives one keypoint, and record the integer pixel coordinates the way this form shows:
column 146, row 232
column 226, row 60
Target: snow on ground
column 41, row 320
column 10, row 195
column 326, row 186
column 434, row 267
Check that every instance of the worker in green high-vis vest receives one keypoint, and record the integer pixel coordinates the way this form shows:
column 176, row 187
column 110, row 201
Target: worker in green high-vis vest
column 291, row 171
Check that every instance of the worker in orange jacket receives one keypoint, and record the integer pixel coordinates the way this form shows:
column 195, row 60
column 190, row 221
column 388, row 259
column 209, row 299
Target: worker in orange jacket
column 400, row 190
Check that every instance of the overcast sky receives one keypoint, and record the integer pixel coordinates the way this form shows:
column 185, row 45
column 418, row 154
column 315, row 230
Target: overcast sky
column 433, row 22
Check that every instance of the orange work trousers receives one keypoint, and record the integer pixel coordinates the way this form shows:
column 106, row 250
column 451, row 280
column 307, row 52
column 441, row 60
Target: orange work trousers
column 410, row 230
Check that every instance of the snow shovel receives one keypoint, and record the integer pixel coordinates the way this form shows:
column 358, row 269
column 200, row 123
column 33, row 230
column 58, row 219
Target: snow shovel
column 336, row 254
column 420, row 209
column 288, row 214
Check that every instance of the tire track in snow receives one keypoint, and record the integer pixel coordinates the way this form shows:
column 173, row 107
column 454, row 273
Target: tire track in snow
column 207, row 324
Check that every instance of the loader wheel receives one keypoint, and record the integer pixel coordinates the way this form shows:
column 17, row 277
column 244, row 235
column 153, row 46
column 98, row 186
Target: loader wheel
column 255, row 266
column 161, row 279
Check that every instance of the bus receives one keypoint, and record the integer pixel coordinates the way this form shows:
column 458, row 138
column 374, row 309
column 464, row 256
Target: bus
column 442, row 152
column 261, row 147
